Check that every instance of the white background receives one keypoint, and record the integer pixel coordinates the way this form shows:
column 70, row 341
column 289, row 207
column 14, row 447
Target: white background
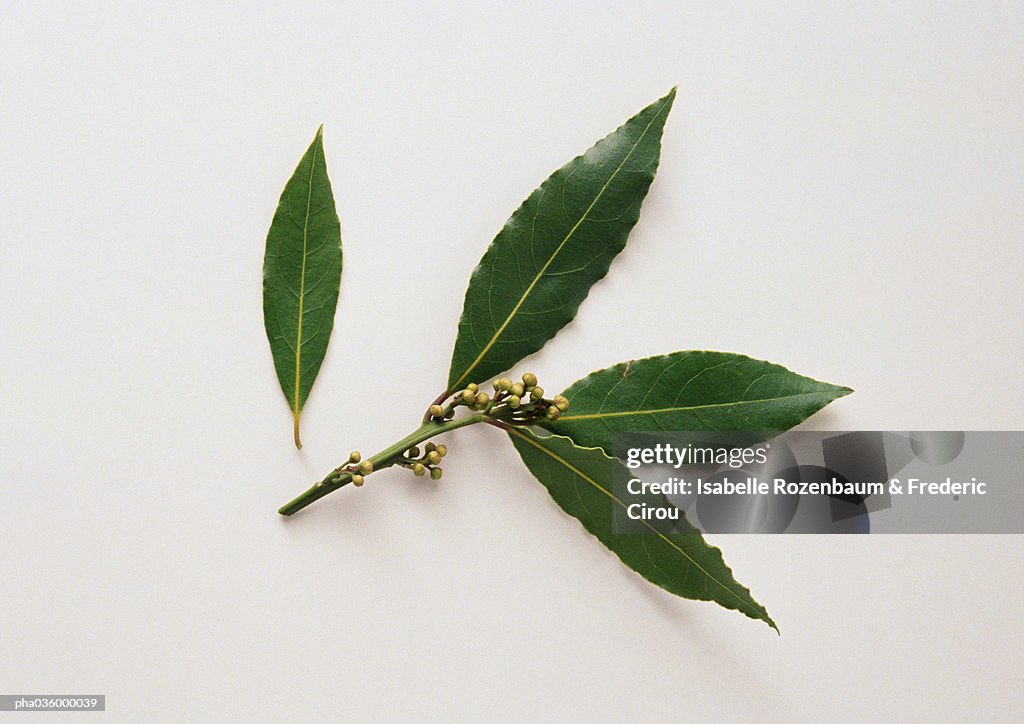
column 840, row 191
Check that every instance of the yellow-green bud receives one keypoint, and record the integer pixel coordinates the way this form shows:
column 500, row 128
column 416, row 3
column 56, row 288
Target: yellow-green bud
column 419, row 469
column 433, row 457
column 468, row 396
column 429, row 447
column 436, row 411
column 413, row 452
column 449, row 414
column 472, row 386
column 442, row 450
column 482, row 399
column 517, row 389
column 497, row 384
column 354, row 456
column 530, row 379
column 505, row 384
column 553, row 413
column 366, row 467
column 357, row 480
column 537, row 393
column 436, row 473
column 514, row 401
column 561, row 402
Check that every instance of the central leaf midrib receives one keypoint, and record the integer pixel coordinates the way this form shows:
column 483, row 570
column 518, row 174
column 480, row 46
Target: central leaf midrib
column 558, row 249
column 627, row 413
column 302, row 282
column 661, row 535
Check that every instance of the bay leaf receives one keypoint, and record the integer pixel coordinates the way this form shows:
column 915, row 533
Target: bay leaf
column 540, row 267
column 302, row 277
column 690, row 391
column 579, row 480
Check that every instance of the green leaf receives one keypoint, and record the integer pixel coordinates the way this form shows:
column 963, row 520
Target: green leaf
column 542, row 264
column 580, row 481
column 301, row 277
column 692, row 392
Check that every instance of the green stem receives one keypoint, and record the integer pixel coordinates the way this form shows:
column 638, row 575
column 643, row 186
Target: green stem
column 385, row 458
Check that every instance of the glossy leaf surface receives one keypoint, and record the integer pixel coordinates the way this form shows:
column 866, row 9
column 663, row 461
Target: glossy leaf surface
column 690, row 391
column 580, row 481
column 301, row 277
column 562, row 239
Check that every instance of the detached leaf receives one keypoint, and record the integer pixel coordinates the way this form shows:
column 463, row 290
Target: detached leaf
column 542, row 264
column 692, row 392
column 580, row 481
column 301, row 277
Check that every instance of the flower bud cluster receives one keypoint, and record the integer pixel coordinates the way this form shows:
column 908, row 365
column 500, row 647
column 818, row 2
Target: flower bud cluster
column 512, row 403
column 426, row 463
column 515, row 402
column 470, row 397
column 356, row 468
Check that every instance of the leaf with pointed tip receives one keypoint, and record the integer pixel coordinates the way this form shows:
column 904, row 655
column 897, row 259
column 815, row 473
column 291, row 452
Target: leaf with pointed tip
column 301, row 277
column 580, row 481
column 540, row 267
column 692, row 392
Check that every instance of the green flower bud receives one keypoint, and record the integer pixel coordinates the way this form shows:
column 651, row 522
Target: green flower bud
column 517, row 389
column 354, row 456
column 537, row 393
column 413, row 452
column 449, row 414
column 442, row 450
column 505, row 384
column 366, row 467
column 468, row 396
column 497, row 384
column 436, row 411
column 436, row 473
column 553, row 413
column 430, row 447
column 514, row 401
column 482, row 399
column 530, row 379
column 357, row 480
column 561, row 402
column 419, row 469
column 433, row 457
column 472, row 386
